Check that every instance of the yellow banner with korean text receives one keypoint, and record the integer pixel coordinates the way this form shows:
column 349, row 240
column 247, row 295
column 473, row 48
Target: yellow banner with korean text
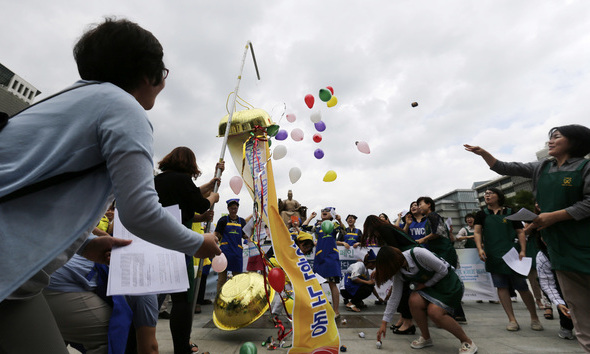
column 314, row 327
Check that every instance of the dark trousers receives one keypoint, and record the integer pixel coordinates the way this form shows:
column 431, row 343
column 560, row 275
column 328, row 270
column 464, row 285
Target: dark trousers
column 362, row 293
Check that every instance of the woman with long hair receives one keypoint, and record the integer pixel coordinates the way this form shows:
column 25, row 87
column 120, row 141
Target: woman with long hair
column 175, row 186
column 385, row 233
column 436, row 292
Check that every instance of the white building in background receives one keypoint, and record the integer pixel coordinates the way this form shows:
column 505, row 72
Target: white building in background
column 15, row 92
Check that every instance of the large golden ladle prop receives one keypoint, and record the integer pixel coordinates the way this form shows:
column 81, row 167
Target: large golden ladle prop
column 197, row 283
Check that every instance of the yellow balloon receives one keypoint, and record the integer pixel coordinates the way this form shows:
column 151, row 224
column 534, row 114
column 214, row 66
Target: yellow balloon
column 330, row 176
column 289, row 306
column 332, row 102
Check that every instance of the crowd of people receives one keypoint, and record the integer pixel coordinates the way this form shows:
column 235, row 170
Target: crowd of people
column 97, row 149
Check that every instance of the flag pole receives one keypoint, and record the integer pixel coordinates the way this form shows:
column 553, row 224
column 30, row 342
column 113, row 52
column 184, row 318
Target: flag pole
column 197, row 282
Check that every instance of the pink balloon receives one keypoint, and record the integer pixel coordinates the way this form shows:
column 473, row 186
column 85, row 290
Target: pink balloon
column 297, row 134
column 291, row 117
column 363, row 147
column 309, row 100
column 235, row 183
column 219, row 263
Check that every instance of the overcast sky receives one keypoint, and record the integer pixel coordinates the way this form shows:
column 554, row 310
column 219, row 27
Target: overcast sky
column 498, row 74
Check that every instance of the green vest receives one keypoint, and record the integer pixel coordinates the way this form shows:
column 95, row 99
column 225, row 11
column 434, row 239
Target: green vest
column 442, row 245
column 498, row 238
column 446, row 293
column 568, row 242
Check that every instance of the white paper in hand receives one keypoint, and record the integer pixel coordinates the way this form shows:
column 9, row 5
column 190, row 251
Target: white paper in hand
column 522, row 267
column 144, row 268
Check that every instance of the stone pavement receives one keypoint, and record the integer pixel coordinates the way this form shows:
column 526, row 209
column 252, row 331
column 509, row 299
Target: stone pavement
column 486, row 326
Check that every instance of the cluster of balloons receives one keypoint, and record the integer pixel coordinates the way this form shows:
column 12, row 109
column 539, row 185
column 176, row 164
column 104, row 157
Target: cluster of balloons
column 326, row 95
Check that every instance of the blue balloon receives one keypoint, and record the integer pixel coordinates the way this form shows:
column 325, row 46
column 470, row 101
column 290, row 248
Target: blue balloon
column 318, row 153
column 320, row 126
column 282, row 135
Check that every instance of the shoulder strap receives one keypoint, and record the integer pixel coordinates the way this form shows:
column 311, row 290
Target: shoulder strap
column 35, row 187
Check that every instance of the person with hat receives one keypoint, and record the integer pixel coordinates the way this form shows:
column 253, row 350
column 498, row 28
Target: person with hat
column 358, row 284
column 351, row 235
column 229, row 232
column 327, row 257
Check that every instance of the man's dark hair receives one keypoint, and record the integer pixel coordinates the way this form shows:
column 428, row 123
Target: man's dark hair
column 578, row 137
column 119, row 52
column 428, row 201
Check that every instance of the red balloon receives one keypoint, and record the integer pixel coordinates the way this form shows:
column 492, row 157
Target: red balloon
column 276, row 278
column 331, row 89
column 317, row 137
column 309, row 100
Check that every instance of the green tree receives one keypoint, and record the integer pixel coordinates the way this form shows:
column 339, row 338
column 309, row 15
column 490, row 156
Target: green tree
column 522, row 199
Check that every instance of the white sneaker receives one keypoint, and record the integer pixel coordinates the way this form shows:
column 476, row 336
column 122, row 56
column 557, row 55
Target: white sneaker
column 467, row 348
column 421, row 343
column 565, row 333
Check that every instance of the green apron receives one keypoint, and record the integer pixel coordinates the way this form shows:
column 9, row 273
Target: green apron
column 568, row 242
column 498, row 238
column 470, row 243
column 442, row 245
column 446, row 293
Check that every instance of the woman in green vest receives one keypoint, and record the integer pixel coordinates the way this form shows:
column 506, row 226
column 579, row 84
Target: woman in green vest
column 561, row 185
column 494, row 237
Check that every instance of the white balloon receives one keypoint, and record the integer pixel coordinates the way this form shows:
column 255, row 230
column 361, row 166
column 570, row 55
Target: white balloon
column 316, row 116
column 291, row 117
column 294, row 174
column 297, row 134
column 279, row 152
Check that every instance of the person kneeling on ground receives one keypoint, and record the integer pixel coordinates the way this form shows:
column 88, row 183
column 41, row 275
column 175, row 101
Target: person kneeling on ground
column 358, row 284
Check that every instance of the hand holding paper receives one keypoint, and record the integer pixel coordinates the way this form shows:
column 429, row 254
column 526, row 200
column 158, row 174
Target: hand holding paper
column 522, row 267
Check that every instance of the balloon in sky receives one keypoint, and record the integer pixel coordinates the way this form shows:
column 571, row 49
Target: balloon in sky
column 282, row 135
column 363, row 147
column 297, row 134
column 330, row 176
column 320, row 126
column 327, row 227
column 325, row 95
column 318, row 153
column 291, row 117
column 248, row 348
column 279, row 152
column 317, row 137
column 272, row 130
column 316, row 116
column 235, row 183
column 331, row 89
column 332, row 102
column 294, row 174
column 309, row 100
column 414, row 104
column 276, row 279
column 219, row 263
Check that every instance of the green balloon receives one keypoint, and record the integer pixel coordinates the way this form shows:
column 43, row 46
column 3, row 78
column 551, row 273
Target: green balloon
column 248, row 348
column 272, row 130
column 325, row 95
column 327, row 227
column 269, row 142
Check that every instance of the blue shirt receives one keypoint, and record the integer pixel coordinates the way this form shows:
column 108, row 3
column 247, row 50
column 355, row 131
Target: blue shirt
column 71, row 132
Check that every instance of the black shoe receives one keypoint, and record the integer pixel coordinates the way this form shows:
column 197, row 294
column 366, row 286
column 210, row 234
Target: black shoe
column 164, row 315
column 394, row 326
column 410, row 330
column 461, row 319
